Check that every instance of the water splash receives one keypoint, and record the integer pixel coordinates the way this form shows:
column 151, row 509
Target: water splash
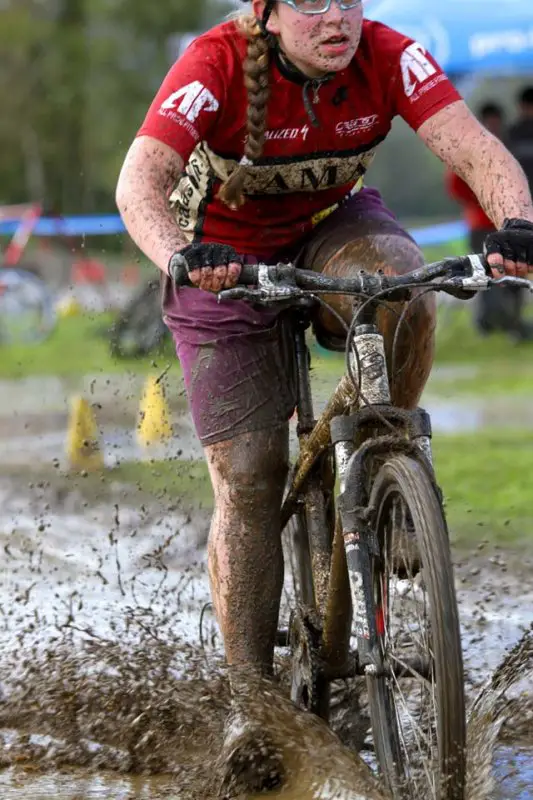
column 489, row 712
column 102, row 670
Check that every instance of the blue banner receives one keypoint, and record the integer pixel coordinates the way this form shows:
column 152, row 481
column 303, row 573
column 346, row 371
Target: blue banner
column 94, row 225
column 465, row 35
column 112, row 224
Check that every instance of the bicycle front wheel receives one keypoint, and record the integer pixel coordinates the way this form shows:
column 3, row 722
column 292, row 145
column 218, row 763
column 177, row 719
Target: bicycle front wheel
column 417, row 707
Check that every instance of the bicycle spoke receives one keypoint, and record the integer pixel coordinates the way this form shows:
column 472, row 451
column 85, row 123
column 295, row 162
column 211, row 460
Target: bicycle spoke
column 407, row 633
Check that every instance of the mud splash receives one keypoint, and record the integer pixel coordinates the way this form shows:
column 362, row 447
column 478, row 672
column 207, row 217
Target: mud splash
column 490, row 711
column 103, row 667
column 108, row 689
column 153, row 709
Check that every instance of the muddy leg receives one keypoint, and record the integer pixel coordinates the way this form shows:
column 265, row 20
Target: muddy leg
column 370, row 249
column 245, row 555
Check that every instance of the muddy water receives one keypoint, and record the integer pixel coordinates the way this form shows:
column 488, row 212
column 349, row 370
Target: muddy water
column 510, row 762
column 100, row 623
column 105, row 670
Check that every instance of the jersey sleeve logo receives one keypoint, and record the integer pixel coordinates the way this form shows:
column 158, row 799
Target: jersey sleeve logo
column 416, row 67
column 194, row 97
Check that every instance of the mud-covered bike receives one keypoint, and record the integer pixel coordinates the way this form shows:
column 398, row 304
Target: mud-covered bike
column 139, row 329
column 367, row 534
column 27, row 306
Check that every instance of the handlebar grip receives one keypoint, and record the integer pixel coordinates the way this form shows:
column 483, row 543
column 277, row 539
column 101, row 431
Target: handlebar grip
column 179, row 272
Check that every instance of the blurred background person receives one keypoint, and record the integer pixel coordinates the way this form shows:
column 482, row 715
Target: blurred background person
column 520, row 136
column 497, row 309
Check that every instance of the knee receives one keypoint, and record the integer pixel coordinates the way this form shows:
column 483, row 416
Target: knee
column 250, row 468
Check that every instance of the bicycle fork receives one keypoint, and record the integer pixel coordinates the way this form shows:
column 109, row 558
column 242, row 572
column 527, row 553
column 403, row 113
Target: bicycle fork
column 360, row 542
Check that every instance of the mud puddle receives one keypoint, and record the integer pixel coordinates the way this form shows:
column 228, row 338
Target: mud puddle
column 118, row 444
column 109, row 668
column 514, row 773
column 111, row 661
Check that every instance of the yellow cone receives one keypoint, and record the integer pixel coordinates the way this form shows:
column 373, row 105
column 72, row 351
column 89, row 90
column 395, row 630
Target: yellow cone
column 154, row 417
column 83, row 446
column 68, row 307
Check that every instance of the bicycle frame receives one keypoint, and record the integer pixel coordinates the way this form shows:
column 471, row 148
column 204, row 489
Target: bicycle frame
column 341, row 557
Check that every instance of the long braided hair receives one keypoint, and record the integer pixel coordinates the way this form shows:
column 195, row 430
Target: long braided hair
column 256, row 79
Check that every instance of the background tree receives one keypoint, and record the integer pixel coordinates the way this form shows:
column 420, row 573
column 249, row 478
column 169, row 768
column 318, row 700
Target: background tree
column 77, row 77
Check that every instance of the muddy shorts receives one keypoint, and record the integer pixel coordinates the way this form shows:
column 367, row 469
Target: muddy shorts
column 237, row 359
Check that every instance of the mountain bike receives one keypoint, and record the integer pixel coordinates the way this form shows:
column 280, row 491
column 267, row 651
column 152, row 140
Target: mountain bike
column 27, row 304
column 139, row 329
column 368, row 538
column 27, row 307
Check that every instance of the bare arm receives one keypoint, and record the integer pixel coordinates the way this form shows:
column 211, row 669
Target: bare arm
column 149, row 173
column 493, row 174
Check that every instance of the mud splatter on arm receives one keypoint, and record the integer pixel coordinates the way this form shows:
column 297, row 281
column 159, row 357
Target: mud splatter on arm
column 149, row 173
column 493, row 174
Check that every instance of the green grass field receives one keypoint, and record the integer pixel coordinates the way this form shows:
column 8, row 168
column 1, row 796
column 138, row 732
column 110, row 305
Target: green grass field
column 78, row 346
column 485, row 478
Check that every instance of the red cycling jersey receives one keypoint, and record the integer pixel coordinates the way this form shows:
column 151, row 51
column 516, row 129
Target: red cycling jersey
column 306, row 168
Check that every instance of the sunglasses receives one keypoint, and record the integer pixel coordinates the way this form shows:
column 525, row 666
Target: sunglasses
column 320, row 6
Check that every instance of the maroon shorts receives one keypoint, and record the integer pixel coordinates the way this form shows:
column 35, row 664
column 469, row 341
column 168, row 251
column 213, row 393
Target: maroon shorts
column 237, row 359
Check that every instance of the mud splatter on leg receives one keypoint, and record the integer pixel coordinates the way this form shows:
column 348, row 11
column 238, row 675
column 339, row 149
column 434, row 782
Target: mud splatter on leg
column 245, row 555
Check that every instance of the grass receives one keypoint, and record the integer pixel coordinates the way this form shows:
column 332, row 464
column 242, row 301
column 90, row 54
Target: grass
column 485, row 478
column 78, row 346
column 167, row 480
column 170, row 482
column 458, row 247
column 498, row 367
column 459, row 343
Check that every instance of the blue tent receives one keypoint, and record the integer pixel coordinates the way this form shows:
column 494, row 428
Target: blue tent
column 465, row 35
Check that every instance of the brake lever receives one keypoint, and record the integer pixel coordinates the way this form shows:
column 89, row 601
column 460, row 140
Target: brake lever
column 508, row 280
column 263, row 295
column 236, row 293
column 266, row 291
column 479, row 279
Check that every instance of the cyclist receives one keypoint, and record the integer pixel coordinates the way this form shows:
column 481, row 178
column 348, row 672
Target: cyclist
column 255, row 148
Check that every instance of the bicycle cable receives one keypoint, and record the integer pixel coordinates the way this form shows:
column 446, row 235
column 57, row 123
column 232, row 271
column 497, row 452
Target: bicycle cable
column 401, row 321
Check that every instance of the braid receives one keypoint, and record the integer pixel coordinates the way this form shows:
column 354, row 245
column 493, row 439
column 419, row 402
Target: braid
column 256, row 65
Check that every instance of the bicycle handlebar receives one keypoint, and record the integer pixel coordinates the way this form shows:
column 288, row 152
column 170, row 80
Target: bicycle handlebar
column 280, row 282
